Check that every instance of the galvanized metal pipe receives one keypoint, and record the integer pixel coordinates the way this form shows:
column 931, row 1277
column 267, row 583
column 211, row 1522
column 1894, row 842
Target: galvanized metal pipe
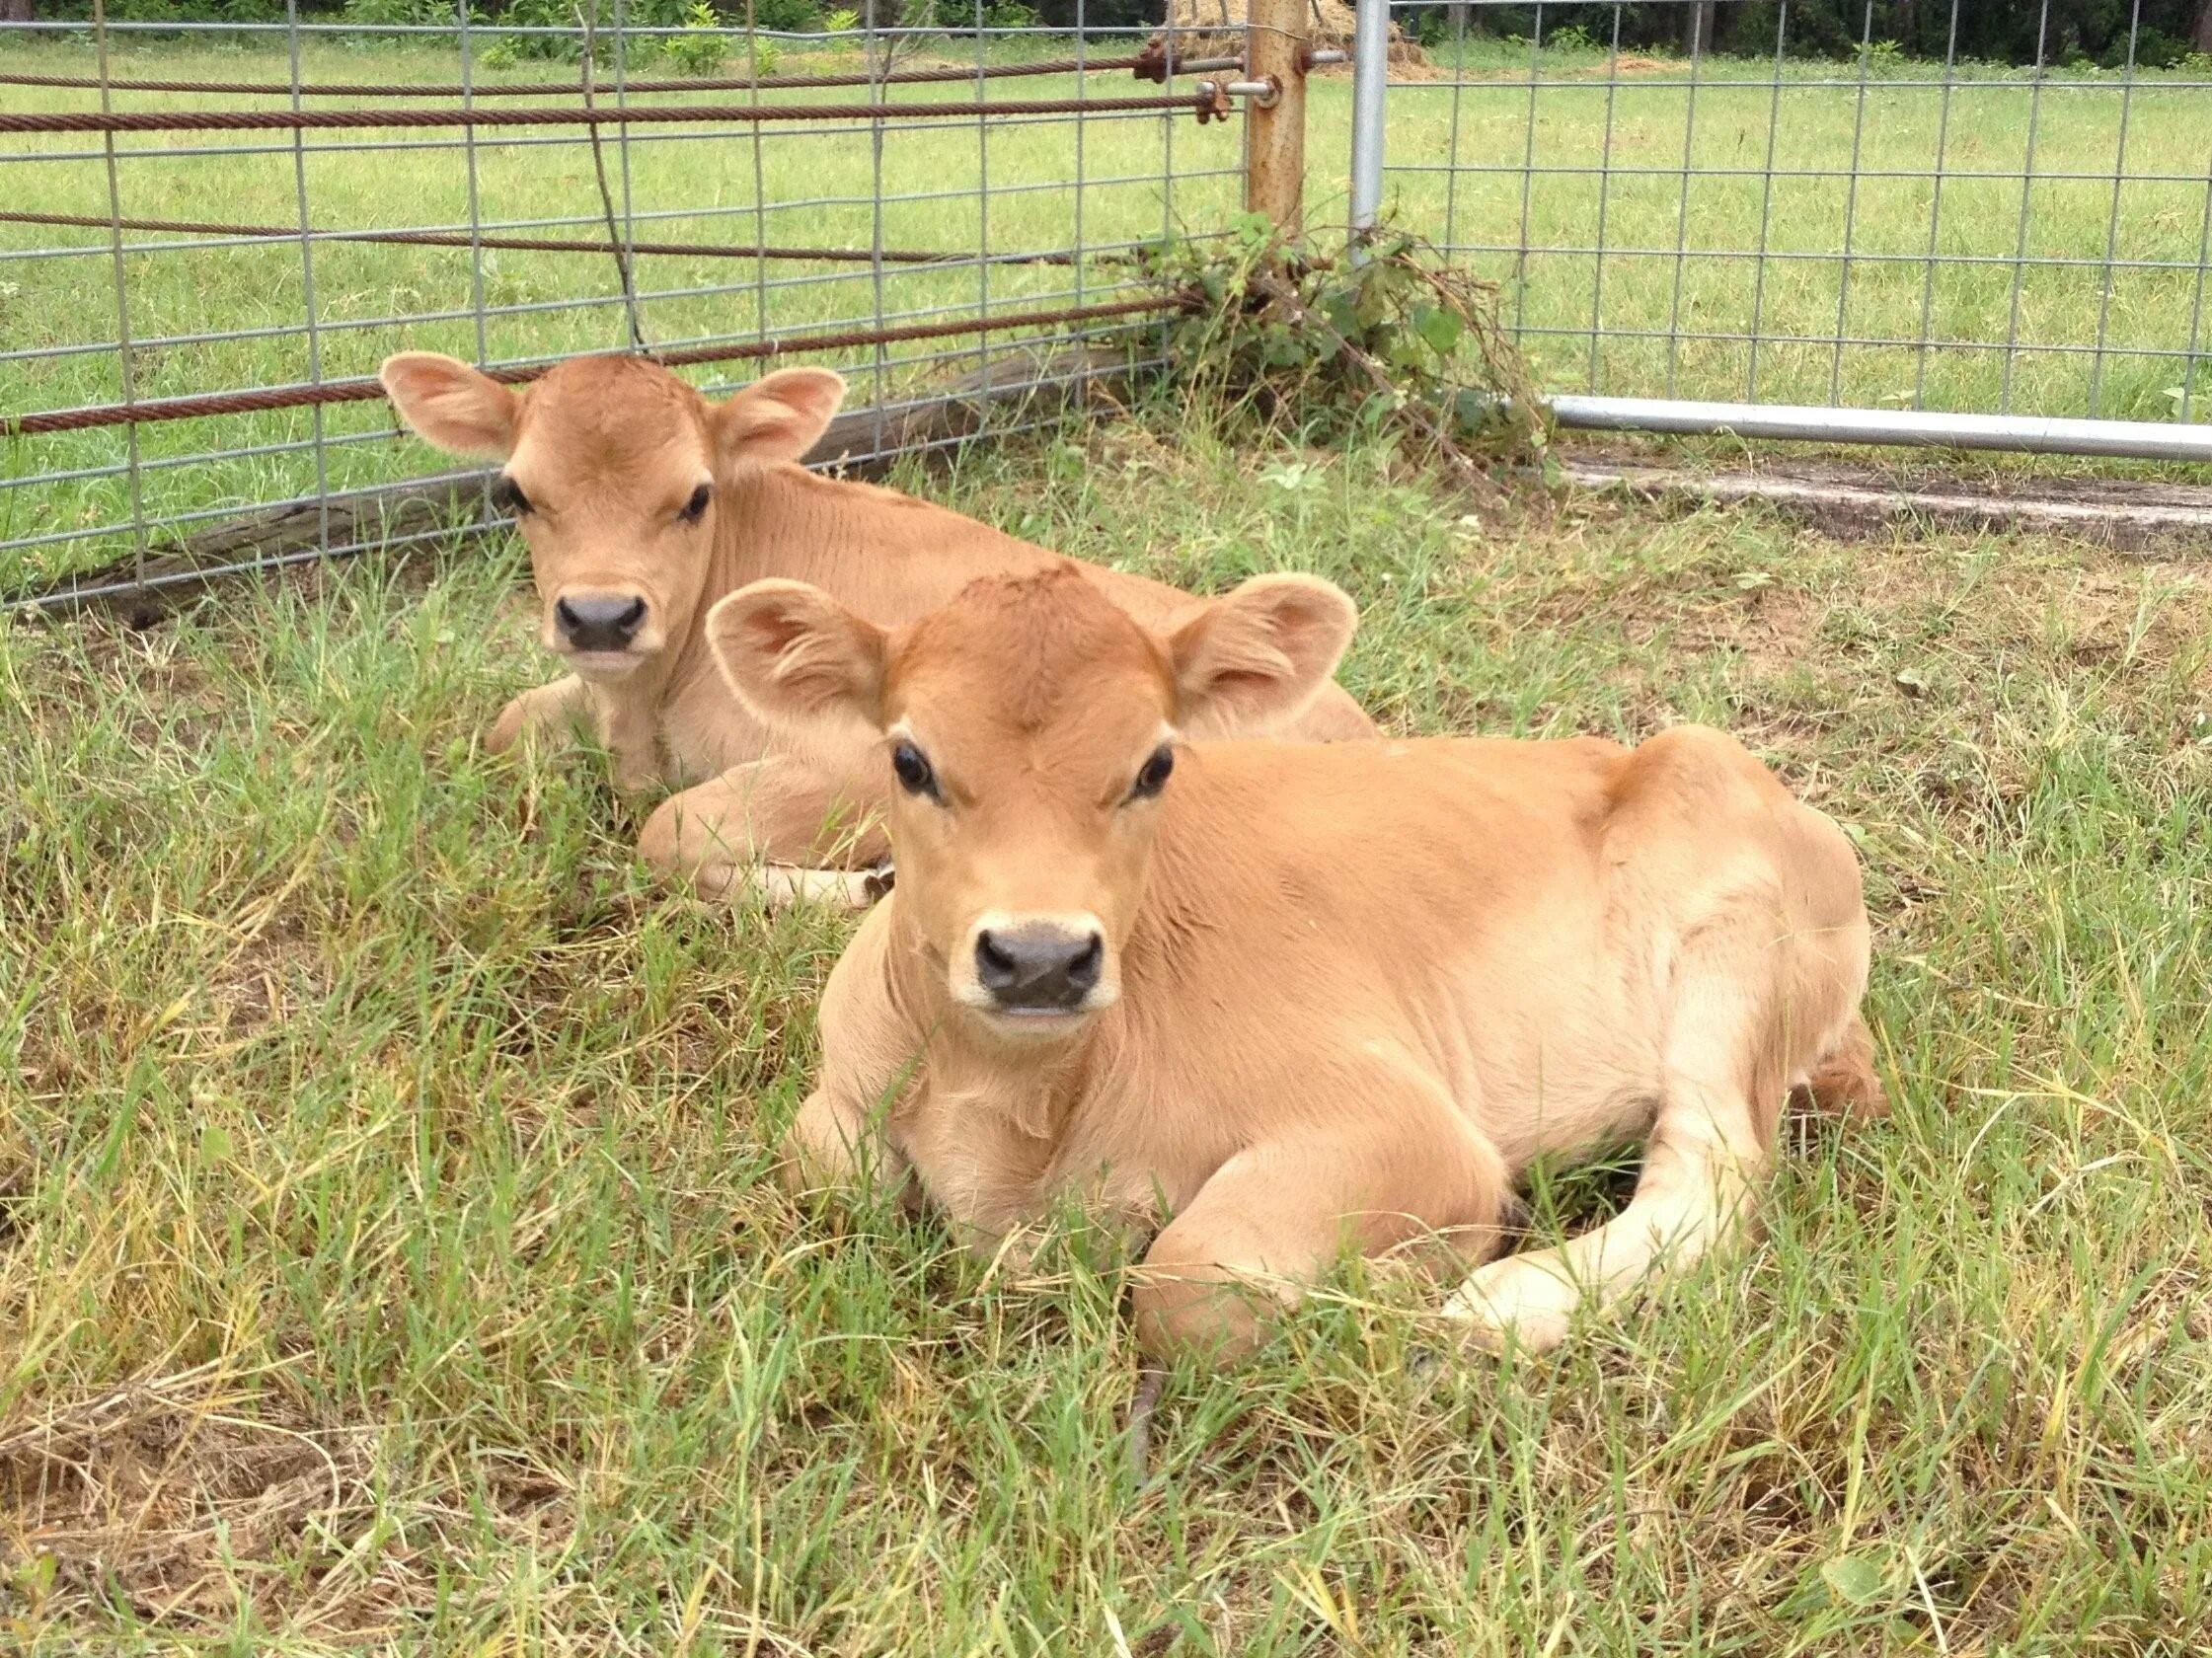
column 2033, row 434
column 1370, row 66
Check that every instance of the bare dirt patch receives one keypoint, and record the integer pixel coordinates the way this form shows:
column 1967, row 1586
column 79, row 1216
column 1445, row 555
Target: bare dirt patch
column 156, row 1493
column 180, row 1498
column 271, row 973
column 1860, row 500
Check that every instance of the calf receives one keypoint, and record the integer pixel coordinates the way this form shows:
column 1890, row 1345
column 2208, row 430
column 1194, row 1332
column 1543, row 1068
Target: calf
column 642, row 504
column 1290, row 997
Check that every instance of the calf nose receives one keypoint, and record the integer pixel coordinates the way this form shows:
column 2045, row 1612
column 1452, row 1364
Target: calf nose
column 601, row 624
column 1038, row 970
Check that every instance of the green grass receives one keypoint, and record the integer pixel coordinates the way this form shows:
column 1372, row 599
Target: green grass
column 387, row 1258
column 1800, row 303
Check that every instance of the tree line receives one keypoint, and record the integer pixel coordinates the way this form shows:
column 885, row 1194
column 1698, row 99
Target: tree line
column 2018, row 32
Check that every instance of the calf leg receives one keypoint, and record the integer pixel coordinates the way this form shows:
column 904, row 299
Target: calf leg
column 566, row 710
column 780, row 826
column 559, row 711
column 1273, row 1217
column 836, row 1142
column 1721, row 1089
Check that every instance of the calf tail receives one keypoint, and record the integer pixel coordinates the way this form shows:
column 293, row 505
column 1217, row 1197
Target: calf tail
column 1844, row 1081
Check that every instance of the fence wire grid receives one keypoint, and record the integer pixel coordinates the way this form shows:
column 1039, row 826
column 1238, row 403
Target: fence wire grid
column 918, row 201
column 1877, row 233
column 1900, row 240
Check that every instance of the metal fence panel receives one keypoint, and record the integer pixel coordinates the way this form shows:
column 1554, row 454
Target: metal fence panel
column 957, row 181
column 1698, row 233
column 1945, row 252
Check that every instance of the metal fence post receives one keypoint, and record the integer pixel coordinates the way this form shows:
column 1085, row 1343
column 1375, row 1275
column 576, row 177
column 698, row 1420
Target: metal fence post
column 1370, row 67
column 1277, row 46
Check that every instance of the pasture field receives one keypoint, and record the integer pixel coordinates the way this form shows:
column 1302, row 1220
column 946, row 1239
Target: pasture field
column 388, row 1262
column 1675, row 293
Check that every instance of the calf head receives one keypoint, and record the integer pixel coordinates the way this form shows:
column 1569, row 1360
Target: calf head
column 612, row 467
column 1030, row 729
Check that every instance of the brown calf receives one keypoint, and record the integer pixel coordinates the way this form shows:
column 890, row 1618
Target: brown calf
column 643, row 503
column 1290, row 997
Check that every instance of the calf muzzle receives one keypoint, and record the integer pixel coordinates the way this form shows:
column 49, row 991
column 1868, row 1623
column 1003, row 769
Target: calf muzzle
column 1038, row 969
column 599, row 622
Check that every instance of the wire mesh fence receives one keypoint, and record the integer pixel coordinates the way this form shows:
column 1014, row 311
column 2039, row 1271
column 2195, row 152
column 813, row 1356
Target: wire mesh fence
column 1874, row 231
column 210, row 235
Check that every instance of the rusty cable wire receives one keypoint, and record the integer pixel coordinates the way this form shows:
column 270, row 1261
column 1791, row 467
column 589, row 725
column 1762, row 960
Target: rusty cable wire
column 624, row 255
column 287, row 120
column 544, row 244
column 367, row 390
column 529, row 88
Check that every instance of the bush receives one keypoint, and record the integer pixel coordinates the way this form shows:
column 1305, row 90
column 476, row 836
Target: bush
column 563, row 14
column 698, row 51
column 2154, row 50
column 793, row 17
column 535, row 14
column 1333, row 351
column 197, row 11
column 392, row 13
column 961, row 14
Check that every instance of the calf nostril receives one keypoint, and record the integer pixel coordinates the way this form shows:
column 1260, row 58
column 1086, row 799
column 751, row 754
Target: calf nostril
column 993, row 966
column 1083, row 968
column 636, row 613
column 568, row 619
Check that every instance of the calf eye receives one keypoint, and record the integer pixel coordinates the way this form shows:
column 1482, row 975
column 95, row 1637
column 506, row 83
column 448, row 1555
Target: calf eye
column 508, row 495
column 696, row 508
column 1153, row 777
column 915, row 774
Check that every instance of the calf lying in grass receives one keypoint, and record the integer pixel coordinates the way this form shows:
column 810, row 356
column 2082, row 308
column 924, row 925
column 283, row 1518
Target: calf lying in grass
column 643, row 503
column 1288, row 998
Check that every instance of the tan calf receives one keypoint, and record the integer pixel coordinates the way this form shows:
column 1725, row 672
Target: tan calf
column 643, row 503
column 1292, row 998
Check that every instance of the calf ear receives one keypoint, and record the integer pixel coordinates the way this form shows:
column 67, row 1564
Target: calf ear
column 1253, row 658
column 795, row 655
column 779, row 416
column 451, row 406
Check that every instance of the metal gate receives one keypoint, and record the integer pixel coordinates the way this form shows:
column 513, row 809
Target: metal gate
column 1741, row 235
column 1702, row 219
column 212, row 233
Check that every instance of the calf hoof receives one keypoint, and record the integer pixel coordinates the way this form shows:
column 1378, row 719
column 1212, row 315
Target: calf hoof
column 784, row 886
column 1205, row 1313
column 880, row 879
column 1512, row 1304
column 507, row 730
